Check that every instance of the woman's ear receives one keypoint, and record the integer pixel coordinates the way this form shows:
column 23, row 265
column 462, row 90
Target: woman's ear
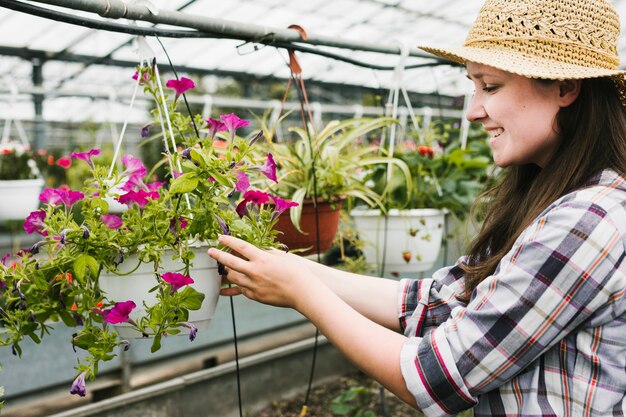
column 568, row 92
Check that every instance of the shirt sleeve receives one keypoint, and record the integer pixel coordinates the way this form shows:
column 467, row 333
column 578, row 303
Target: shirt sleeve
column 428, row 302
column 559, row 271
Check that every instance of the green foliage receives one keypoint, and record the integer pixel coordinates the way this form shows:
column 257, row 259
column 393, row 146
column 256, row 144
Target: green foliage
column 351, row 402
column 444, row 176
column 331, row 163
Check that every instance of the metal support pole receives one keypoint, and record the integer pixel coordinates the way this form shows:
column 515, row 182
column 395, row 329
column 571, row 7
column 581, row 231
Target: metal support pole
column 38, row 98
column 116, row 9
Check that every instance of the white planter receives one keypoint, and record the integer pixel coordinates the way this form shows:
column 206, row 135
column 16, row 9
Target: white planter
column 20, row 197
column 137, row 285
column 417, row 232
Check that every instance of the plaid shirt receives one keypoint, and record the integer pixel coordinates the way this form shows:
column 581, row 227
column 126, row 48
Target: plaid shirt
column 545, row 335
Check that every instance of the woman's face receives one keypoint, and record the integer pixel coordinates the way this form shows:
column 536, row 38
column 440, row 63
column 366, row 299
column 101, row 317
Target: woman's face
column 519, row 113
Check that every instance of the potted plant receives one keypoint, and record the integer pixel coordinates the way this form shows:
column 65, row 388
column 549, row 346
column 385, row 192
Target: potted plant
column 66, row 275
column 20, row 178
column 445, row 179
column 329, row 165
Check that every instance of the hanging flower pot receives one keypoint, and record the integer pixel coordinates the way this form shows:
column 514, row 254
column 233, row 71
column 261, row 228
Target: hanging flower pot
column 307, row 240
column 412, row 238
column 20, row 198
column 138, row 287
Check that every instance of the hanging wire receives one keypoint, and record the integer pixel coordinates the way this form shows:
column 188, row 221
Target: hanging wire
column 232, row 304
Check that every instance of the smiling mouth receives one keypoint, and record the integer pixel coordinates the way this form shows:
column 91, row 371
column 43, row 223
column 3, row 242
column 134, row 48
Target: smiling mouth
column 494, row 133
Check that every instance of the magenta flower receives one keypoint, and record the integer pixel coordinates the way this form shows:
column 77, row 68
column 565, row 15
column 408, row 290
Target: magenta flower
column 119, row 313
column 86, row 156
column 251, row 196
column 135, row 171
column 232, row 123
column 55, row 196
column 180, row 86
column 269, row 169
column 112, row 221
column 3, row 261
column 242, row 183
column 78, row 386
column 145, row 77
column 138, row 197
column 155, row 186
column 183, row 223
column 282, row 205
column 35, row 222
column 215, row 126
column 176, row 280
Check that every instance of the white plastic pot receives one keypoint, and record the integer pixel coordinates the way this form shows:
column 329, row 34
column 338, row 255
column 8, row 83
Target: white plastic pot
column 413, row 238
column 137, row 285
column 19, row 198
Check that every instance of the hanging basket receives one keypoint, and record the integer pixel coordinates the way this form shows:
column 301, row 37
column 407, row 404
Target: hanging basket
column 328, row 214
column 413, row 238
column 20, row 197
column 137, row 285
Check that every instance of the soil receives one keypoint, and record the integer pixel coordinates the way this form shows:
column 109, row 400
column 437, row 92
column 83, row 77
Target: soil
column 321, row 399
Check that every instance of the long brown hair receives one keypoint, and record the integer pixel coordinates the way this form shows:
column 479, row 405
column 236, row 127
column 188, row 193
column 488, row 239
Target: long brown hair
column 592, row 134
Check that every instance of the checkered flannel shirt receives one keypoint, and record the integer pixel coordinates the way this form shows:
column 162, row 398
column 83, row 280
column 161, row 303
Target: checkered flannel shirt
column 545, row 335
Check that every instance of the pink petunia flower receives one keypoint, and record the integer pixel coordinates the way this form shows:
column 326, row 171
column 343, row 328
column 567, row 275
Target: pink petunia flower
column 176, row 280
column 251, row 196
column 233, row 123
column 138, row 197
column 215, row 126
column 242, row 183
column 60, row 195
column 86, row 156
column 282, row 205
column 180, row 86
column 269, row 169
column 145, row 77
column 119, row 313
column 35, row 222
column 64, row 162
column 112, row 221
column 135, row 171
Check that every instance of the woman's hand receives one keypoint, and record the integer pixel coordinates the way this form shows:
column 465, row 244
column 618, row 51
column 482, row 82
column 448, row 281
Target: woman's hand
column 266, row 276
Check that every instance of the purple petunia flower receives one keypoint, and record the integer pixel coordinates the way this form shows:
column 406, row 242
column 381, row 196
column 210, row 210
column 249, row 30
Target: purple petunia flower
column 145, row 130
column 35, row 222
column 233, row 123
column 180, row 86
column 176, row 280
column 269, row 169
column 223, row 226
column 215, row 126
column 86, row 156
column 193, row 330
column 78, row 386
column 155, row 186
column 3, row 261
column 112, row 221
column 242, row 183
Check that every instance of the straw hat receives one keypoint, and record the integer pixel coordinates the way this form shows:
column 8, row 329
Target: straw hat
column 551, row 39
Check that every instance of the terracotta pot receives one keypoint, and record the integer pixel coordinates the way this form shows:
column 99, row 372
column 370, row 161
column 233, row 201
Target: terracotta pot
column 328, row 221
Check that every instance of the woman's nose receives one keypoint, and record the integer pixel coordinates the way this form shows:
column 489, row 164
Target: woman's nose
column 475, row 110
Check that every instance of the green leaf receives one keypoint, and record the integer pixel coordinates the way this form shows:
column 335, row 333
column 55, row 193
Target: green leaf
column 184, row 184
column 190, row 299
column 156, row 344
column 82, row 262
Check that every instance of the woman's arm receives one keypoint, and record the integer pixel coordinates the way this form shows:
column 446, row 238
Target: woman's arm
column 290, row 282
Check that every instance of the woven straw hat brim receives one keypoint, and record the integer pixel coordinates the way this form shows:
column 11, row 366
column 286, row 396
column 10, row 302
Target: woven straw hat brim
column 519, row 63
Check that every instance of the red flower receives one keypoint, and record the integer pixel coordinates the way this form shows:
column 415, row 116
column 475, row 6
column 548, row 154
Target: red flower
column 426, row 151
column 64, row 162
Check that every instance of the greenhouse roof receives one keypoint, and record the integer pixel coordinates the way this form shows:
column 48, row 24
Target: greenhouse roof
column 83, row 61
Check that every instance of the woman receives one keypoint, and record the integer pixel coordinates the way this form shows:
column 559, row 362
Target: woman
column 533, row 320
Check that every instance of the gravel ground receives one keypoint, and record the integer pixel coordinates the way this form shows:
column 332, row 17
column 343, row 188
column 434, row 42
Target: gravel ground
column 366, row 394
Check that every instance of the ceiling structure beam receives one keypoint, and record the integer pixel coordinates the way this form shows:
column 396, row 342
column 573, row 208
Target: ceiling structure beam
column 116, row 9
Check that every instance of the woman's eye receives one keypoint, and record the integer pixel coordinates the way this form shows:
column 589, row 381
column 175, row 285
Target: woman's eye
column 489, row 88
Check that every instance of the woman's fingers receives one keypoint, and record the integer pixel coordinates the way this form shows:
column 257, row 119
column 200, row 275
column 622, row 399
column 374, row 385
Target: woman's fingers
column 244, row 248
column 228, row 259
